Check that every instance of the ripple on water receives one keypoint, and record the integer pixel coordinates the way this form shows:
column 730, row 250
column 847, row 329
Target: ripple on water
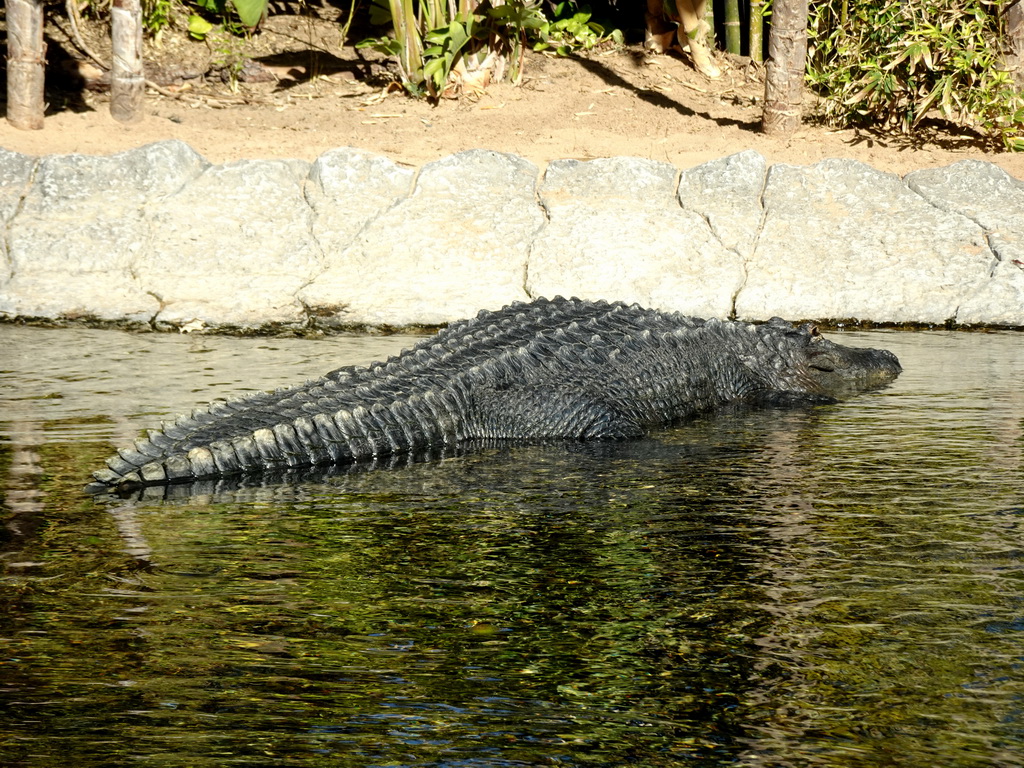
column 833, row 587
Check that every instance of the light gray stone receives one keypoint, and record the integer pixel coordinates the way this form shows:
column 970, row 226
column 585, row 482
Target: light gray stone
column 993, row 199
column 982, row 192
column 628, row 178
column 15, row 173
column 80, row 227
column 727, row 192
column 1000, row 301
column 159, row 234
column 842, row 240
column 616, row 231
column 457, row 244
column 135, row 176
column 351, row 187
column 233, row 246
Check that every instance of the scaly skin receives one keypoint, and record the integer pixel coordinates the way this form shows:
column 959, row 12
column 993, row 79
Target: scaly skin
column 559, row 369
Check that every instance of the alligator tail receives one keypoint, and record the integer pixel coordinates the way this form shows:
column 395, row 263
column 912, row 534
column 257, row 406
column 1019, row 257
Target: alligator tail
column 312, row 439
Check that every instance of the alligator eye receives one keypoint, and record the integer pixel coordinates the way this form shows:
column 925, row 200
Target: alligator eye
column 809, row 332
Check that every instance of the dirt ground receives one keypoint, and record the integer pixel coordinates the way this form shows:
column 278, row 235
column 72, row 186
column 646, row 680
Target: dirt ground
column 319, row 94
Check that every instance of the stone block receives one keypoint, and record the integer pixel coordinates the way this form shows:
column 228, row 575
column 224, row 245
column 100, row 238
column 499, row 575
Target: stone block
column 841, row 240
column 233, row 247
column 74, row 241
column 616, row 231
column 457, row 244
column 15, row 173
column 727, row 193
column 993, row 199
column 350, row 188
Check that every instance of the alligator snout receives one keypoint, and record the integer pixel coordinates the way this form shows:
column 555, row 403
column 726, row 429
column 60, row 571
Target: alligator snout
column 873, row 367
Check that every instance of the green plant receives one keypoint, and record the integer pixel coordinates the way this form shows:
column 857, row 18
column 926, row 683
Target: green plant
column 511, row 26
column 891, row 63
column 251, row 12
column 156, row 14
column 229, row 55
column 443, row 45
column 571, row 31
column 409, row 29
column 199, row 27
column 236, row 16
column 446, row 45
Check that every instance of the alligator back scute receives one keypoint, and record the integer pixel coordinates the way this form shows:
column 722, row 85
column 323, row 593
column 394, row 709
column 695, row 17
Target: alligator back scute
column 548, row 369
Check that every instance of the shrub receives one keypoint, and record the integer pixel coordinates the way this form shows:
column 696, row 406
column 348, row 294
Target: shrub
column 444, row 47
column 891, row 63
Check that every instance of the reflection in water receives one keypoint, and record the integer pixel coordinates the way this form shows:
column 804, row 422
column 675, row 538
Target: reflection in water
column 835, row 587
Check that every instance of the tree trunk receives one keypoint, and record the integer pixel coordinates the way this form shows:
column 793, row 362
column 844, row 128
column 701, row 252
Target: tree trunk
column 1014, row 59
column 732, row 26
column 25, row 58
column 787, row 62
column 757, row 30
column 127, row 83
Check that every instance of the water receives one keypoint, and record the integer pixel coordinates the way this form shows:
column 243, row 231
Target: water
column 836, row 587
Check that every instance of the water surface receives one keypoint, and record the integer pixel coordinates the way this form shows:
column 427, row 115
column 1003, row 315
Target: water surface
column 835, row 587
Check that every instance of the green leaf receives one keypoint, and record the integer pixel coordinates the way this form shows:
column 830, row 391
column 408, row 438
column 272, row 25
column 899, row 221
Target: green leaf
column 458, row 34
column 198, row 27
column 386, row 45
column 433, row 68
column 380, row 13
column 250, row 11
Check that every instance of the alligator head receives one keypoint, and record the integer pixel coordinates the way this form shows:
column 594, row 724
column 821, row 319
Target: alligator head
column 803, row 361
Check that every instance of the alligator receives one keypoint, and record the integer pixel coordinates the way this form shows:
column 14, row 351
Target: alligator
column 551, row 369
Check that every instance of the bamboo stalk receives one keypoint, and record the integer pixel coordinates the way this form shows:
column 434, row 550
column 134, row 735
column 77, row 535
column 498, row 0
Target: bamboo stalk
column 732, row 26
column 757, row 30
column 127, row 83
column 25, row 58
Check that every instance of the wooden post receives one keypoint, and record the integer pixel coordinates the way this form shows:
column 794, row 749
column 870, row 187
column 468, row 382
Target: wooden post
column 787, row 63
column 127, row 82
column 25, row 58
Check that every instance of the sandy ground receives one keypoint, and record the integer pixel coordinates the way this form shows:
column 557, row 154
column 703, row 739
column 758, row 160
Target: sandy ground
column 323, row 94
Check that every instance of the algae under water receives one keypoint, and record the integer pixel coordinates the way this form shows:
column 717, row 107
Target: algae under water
column 840, row 586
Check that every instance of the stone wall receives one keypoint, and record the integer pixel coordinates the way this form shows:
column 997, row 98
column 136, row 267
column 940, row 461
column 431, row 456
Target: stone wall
column 159, row 236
